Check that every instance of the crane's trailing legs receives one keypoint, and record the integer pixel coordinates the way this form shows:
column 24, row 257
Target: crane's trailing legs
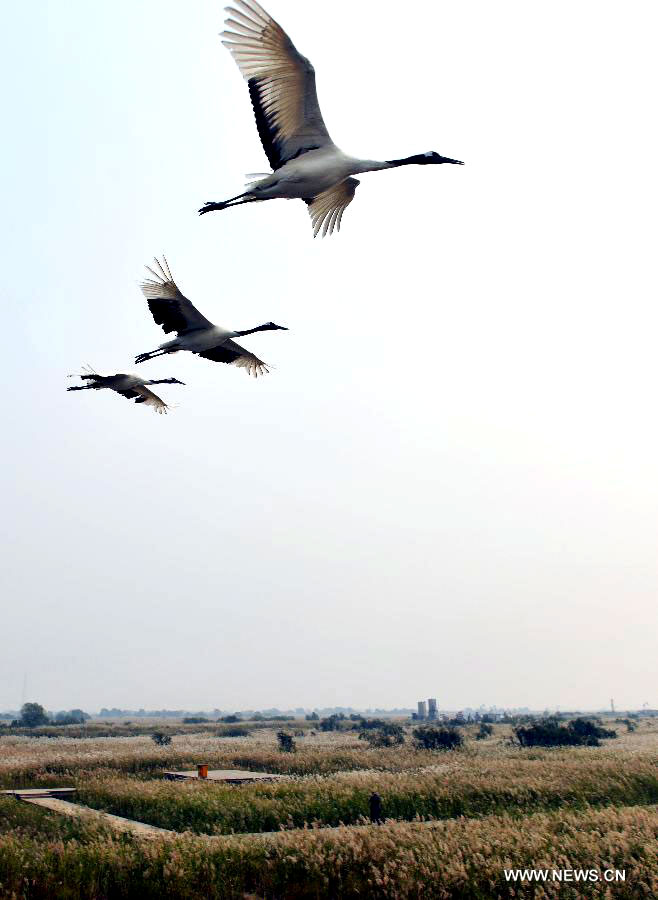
column 143, row 357
column 225, row 204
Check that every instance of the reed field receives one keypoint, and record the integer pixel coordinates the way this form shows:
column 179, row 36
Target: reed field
column 454, row 820
column 25, row 759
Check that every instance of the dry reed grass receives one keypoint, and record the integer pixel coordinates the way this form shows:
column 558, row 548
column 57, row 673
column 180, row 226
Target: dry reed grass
column 44, row 856
column 466, row 787
column 24, row 760
column 457, row 858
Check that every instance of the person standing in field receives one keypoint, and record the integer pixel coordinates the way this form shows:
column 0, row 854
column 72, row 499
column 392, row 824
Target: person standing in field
column 376, row 808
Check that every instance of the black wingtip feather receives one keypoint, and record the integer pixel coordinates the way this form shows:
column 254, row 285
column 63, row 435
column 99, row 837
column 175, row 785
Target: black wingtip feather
column 266, row 132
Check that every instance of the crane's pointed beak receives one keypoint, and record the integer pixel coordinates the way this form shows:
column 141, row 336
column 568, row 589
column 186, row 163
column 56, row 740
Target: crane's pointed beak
column 455, row 162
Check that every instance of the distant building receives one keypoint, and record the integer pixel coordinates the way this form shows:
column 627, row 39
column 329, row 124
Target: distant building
column 422, row 709
column 431, row 704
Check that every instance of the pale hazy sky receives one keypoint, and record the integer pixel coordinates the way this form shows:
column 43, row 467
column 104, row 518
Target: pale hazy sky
column 448, row 484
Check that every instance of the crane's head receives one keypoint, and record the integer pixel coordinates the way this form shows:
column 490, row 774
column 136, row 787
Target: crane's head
column 270, row 326
column 172, row 381
column 433, row 158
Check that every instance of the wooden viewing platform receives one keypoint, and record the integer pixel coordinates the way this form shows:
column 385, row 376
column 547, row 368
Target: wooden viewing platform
column 31, row 793
column 225, row 776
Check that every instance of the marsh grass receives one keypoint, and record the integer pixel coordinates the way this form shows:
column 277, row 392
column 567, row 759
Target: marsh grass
column 468, row 787
column 497, row 806
column 457, row 858
column 26, row 761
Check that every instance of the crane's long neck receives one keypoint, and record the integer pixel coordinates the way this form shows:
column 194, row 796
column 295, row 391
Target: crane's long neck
column 253, row 330
column 375, row 165
column 418, row 159
column 422, row 159
column 367, row 165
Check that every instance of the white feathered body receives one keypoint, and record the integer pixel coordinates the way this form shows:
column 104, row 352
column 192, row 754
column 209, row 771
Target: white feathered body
column 199, row 340
column 119, row 382
column 312, row 173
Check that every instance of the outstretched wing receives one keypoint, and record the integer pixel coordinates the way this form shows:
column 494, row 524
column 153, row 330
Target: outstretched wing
column 168, row 306
column 130, row 394
column 281, row 84
column 235, row 355
column 326, row 210
column 144, row 395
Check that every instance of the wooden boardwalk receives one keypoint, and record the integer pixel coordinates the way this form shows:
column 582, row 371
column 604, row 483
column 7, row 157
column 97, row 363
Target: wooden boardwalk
column 86, row 814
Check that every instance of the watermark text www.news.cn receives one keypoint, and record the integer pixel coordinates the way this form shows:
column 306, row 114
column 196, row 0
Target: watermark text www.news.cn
column 567, row 875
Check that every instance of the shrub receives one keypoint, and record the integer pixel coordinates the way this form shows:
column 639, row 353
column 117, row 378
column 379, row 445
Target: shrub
column 194, row 720
column 286, row 742
column 331, row 723
column 161, row 739
column 32, row 715
column 233, row 731
column 577, row 733
column 73, row 717
column 366, row 724
column 429, row 737
column 389, row 735
column 484, row 732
